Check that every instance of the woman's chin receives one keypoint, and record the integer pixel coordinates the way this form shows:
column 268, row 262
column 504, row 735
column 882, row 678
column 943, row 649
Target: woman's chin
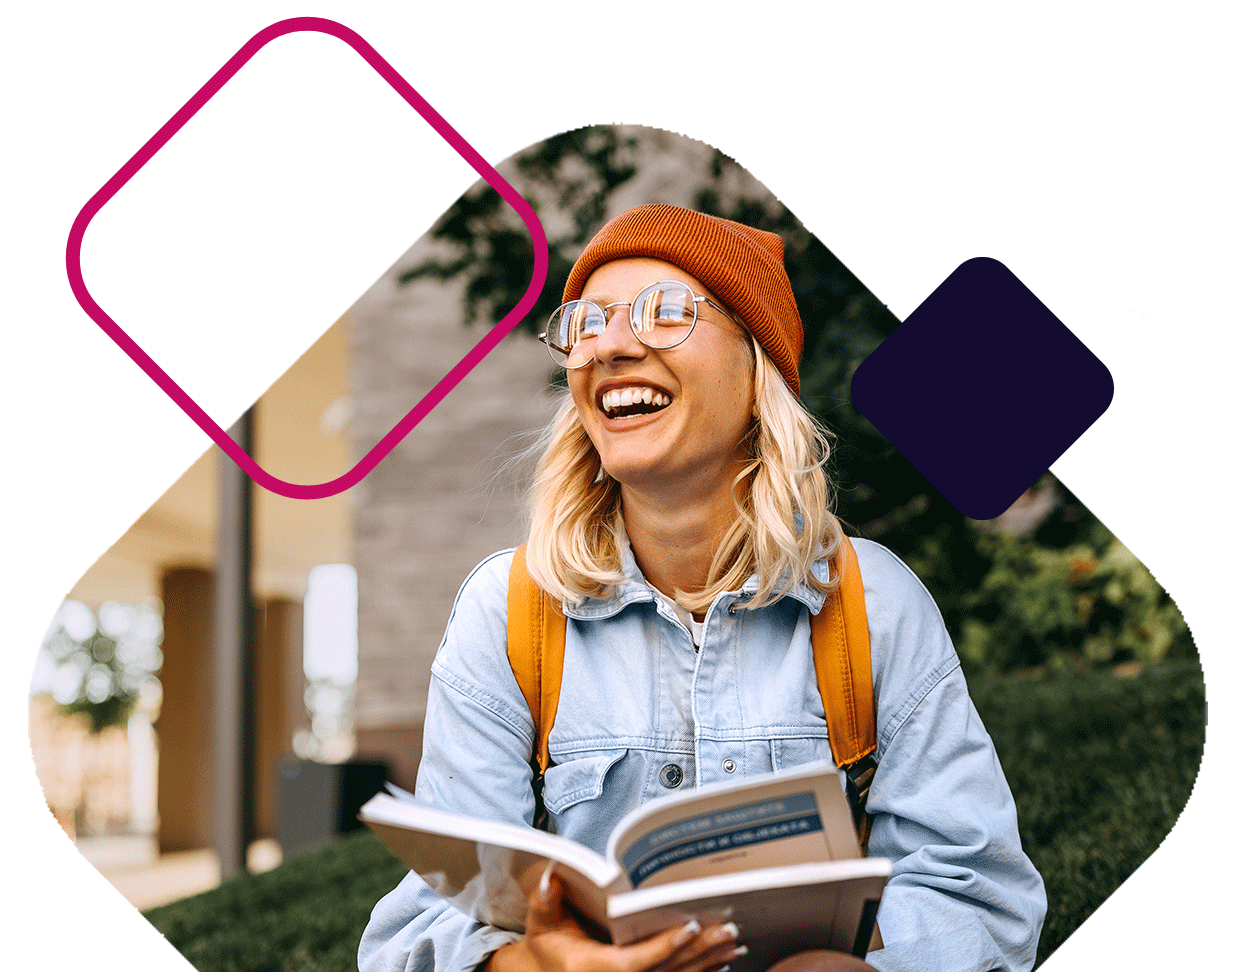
column 669, row 480
column 638, row 475
column 636, row 459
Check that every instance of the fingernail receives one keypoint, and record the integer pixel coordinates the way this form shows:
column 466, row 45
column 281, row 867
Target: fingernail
column 686, row 933
column 544, row 880
column 740, row 950
column 724, row 933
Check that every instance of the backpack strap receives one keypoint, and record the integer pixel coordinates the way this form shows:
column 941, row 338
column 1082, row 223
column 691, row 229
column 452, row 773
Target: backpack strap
column 840, row 635
column 535, row 630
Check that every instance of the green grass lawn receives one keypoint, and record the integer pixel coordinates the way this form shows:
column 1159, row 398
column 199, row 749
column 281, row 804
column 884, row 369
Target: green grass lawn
column 1100, row 768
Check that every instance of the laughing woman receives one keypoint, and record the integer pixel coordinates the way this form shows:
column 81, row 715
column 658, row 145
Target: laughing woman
column 680, row 514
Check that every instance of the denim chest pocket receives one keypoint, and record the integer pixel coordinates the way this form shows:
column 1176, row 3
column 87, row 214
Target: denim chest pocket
column 574, row 780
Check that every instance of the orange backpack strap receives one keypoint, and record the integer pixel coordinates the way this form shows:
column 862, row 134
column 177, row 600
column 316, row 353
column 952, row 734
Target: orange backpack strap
column 840, row 635
column 535, row 631
column 841, row 657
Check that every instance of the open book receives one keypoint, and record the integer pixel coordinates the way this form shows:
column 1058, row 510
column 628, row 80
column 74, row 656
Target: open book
column 776, row 854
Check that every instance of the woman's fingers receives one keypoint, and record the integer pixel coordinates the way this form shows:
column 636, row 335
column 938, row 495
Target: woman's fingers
column 712, row 949
column 687, row 948
column 666, row 951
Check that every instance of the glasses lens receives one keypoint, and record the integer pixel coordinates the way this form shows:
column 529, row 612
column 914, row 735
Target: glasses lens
column 572, row 329
column 663, row 315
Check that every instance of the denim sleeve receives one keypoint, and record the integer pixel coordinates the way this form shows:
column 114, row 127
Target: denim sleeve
column 963, row 896
column 477, row 739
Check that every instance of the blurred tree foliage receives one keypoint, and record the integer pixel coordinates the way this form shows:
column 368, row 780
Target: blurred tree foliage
column 102, row 696
column 102, row 662
column 484, row 242
column 1067, row 589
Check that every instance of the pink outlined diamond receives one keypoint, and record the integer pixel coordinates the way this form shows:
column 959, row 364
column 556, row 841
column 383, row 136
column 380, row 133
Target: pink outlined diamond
column 439, row 391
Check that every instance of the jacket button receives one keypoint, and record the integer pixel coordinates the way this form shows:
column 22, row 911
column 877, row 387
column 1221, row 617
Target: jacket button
column 671, row 775
column 729, row 766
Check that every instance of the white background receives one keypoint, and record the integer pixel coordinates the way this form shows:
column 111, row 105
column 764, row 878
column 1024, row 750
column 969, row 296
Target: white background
column 1084, row 145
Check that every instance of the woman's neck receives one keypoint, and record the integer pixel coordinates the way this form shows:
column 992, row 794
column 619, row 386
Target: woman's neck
column 674, row 543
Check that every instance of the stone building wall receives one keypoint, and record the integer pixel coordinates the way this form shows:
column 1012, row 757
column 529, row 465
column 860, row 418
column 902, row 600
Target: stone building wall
column 439, row 503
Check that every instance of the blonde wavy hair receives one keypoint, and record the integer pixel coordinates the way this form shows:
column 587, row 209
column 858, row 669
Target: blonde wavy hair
column 782, row 525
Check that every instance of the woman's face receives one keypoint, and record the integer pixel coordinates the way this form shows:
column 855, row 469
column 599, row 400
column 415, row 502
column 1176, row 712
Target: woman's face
column 693, row 442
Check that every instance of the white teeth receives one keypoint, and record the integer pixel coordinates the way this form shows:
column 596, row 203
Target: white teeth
column 625, row 397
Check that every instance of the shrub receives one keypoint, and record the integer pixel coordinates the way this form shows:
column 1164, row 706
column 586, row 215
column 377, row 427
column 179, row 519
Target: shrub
column 1037, row 605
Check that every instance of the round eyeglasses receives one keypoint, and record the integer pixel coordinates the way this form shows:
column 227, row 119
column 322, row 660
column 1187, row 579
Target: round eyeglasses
column 662, row 316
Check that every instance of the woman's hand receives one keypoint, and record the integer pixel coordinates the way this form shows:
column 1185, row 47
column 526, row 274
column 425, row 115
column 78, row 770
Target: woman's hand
column 555, row 942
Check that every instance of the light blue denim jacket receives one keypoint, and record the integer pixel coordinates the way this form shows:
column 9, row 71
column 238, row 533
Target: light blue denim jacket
column 641, row 710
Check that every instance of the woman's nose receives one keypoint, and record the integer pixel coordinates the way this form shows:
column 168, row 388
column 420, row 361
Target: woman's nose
column 618, row 340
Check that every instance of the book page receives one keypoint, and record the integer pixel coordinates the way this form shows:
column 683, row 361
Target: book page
column 486, row 869
column 768, row 821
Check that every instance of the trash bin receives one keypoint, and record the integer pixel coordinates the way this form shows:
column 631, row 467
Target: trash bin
column 319, row 801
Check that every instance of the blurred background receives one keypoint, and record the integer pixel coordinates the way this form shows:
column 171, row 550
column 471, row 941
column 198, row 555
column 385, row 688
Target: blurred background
column 1082, row 667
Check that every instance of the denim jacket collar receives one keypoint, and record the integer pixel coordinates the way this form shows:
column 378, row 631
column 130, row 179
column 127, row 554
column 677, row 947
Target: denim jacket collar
column 635, row 589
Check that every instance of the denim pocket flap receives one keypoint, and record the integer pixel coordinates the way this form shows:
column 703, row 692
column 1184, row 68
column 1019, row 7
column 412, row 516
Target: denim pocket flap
column 575, row 780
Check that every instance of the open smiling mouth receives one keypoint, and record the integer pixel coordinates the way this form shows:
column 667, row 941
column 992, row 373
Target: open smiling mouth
column 623, row 402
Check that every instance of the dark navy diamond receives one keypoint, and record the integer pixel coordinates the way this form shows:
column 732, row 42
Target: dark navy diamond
column 982, row 388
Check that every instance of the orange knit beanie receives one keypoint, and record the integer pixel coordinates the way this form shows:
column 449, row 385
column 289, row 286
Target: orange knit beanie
column 740, row 265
